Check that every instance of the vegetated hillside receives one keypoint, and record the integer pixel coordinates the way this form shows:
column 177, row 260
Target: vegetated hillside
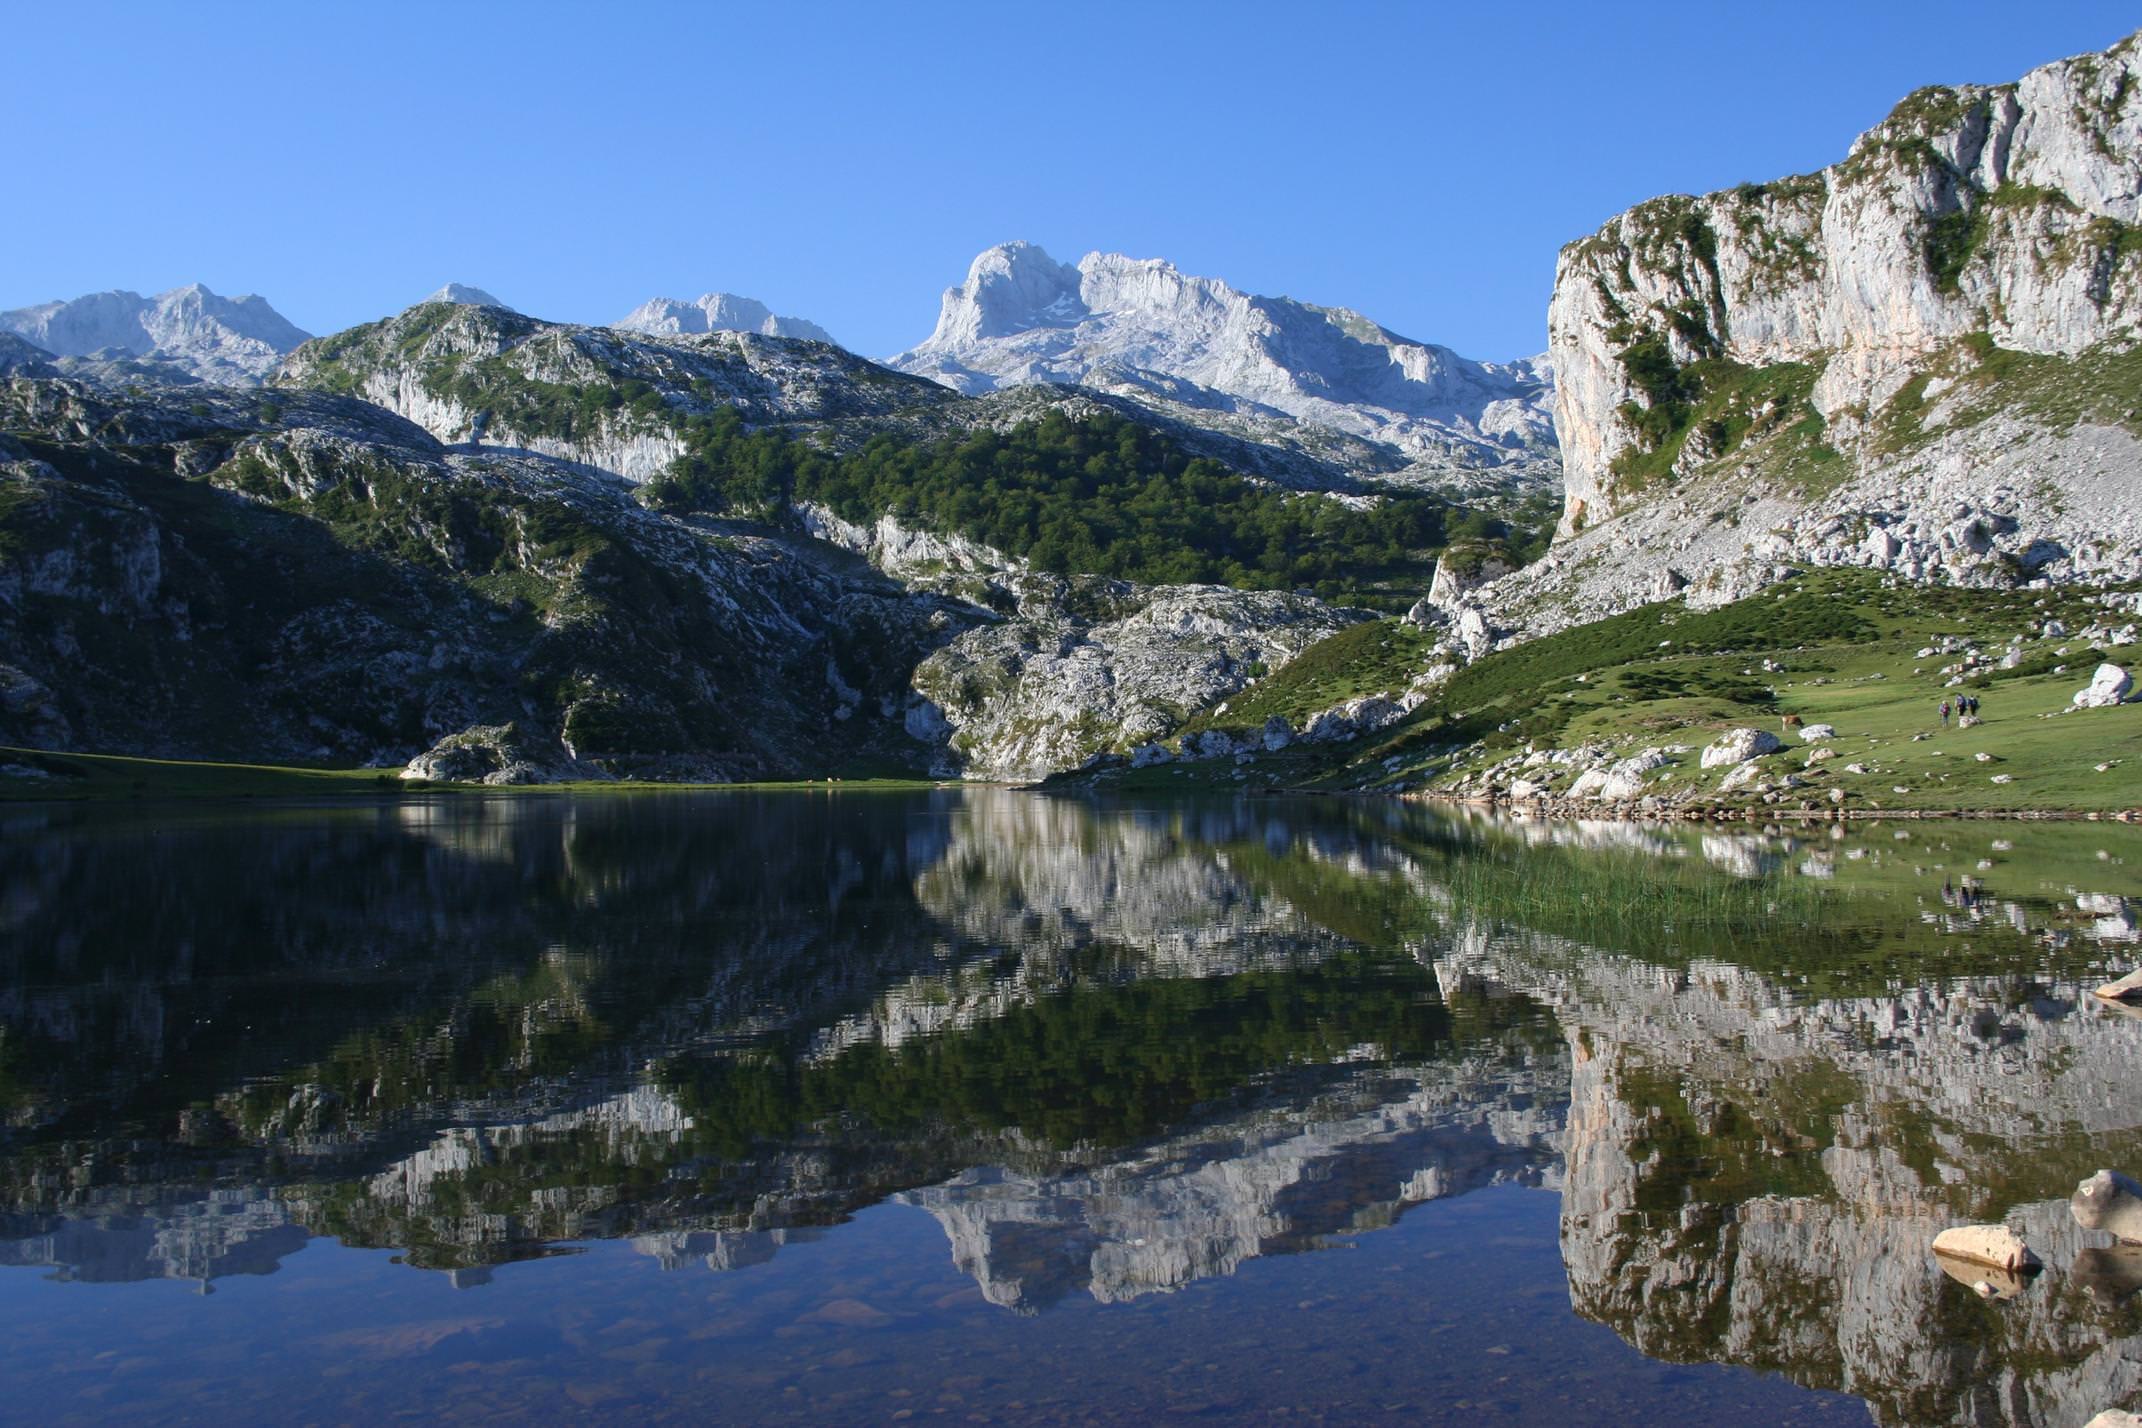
column 299, row 577
column 749, row 427
column 1632, row 701
column 288, row 576
column 1922, row 359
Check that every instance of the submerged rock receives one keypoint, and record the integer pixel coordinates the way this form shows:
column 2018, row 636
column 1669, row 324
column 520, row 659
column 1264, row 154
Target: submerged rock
column 2127, row 988
column 1994, row 1245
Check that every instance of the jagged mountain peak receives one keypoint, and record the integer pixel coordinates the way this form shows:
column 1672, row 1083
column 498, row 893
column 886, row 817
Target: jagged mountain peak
column 232, row 340
column 463, row 295
column 716, row 312
column 1142, row 327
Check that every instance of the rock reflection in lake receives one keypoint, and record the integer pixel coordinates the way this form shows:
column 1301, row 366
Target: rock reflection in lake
column 1113, row 1053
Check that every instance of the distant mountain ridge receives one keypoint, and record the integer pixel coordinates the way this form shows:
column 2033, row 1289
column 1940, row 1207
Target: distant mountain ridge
column 466, row 296
column 236, row 341
column 1138, row 326
column 717, row 312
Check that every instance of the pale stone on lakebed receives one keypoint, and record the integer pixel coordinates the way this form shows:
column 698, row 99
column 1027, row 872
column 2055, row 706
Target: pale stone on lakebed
column 1993, row 1245
column 2127, row 988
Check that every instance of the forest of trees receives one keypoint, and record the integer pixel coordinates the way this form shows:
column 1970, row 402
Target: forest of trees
column 1100, row 495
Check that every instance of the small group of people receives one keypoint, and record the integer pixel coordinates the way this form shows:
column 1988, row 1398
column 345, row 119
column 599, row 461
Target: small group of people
column 1966, row 707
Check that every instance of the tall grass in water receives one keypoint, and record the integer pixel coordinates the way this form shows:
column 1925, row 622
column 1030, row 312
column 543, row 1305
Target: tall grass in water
column 1641, row 904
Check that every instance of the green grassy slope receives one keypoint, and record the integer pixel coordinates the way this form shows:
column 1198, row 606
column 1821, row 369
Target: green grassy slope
column 1843, row 649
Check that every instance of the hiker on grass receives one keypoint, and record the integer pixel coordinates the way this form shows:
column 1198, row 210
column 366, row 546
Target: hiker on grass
column 1944, row 713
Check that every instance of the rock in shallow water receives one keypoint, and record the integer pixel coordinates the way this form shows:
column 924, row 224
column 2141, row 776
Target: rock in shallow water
column 2111, row 1202
column 1994, row 1245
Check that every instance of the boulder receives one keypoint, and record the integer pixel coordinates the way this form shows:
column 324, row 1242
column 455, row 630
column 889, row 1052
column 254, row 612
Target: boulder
column 492, row 754
column 1474, row 633
column 2111, row 1202
column 1278, row 733
column 1996, row 1246
column 2126, row 989
column 2115, row 1418
column 1740, row 777
column 1816, row 733
column 2109, row 686
column 1427, row 615
column 1737, row 746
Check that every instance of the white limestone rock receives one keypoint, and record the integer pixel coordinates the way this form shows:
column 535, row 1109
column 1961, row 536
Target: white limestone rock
column 1994, row 1245
column 1737, row 746
column 2109, row 686
column 1991, row 484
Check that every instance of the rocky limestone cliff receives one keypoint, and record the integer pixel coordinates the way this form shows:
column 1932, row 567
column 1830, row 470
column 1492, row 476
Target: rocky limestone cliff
column 1088, row 667
column 716, row 312
column 236, row 341
column 1140, row 328
column 474, row 376
column 1921, row 358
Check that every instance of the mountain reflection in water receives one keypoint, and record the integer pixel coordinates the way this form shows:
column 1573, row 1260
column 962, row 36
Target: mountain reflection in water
column 1114, row 1052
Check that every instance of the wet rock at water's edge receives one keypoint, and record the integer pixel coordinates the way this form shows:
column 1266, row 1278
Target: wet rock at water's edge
column 2127, row 988
column 2111, row 1202
column 1993, row 1245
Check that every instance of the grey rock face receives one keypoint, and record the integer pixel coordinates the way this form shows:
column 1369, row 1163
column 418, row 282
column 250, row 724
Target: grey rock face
column 1101, row 667
column 236, row 341
column 716, row 312
column 21, row 358
column 1929, row 335
column 493, row 754
column 1138, row 326
column 1848, row 267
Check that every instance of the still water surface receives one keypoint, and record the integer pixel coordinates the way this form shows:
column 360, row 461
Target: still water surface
column 980, row 1104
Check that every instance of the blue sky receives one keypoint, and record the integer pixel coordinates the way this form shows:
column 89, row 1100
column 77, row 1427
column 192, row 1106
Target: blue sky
column 1418, row 162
